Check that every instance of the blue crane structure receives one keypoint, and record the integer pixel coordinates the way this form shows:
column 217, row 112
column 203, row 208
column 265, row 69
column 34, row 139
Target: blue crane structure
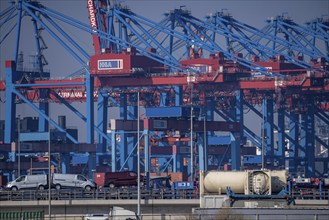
column 281, row 36
column 190, row 72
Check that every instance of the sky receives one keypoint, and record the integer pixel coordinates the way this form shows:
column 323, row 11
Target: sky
column 61, row 63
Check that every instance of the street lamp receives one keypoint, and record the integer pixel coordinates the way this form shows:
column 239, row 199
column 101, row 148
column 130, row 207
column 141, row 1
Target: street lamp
column 263, row 134
column 49, row 172
column 19, row 144
column 205, row 143
column 192, row 148
column 138, row 162
column 191, row 127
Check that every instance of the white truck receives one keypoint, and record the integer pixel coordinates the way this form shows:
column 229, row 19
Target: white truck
column 116, row 213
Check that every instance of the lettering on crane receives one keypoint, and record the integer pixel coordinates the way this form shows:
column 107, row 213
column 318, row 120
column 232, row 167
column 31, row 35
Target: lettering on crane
column 260, row 74
column 110, row 64
column 92, row 15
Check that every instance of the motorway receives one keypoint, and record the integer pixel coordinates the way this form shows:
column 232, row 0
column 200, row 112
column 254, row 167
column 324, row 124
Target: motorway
column 157, row 203
column 73, row 202
column 105, row 193
column 130, row 193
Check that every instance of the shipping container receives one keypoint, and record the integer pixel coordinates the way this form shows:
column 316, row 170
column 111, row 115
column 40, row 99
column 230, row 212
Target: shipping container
column 37, row 215
column 3, row 181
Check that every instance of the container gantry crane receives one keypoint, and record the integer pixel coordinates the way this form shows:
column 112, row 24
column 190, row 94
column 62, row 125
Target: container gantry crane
column 133, row 53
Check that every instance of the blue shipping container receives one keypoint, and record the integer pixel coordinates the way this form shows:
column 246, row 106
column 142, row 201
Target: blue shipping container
column 184, row 185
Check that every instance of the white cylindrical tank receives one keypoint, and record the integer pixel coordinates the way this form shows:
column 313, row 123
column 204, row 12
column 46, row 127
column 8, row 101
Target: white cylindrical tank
column 217, row 181
column 278, row 180
column 246, row 182
column 260, row 183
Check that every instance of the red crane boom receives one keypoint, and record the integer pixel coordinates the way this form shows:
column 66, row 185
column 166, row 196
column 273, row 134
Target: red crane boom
column 93, row 24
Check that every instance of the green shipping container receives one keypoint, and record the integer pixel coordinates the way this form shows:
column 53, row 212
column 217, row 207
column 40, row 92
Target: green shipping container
column 22, row 215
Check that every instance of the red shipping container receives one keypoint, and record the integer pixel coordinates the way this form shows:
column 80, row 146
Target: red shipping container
column 3, row 181
column 99, row 179
column 227, row 167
